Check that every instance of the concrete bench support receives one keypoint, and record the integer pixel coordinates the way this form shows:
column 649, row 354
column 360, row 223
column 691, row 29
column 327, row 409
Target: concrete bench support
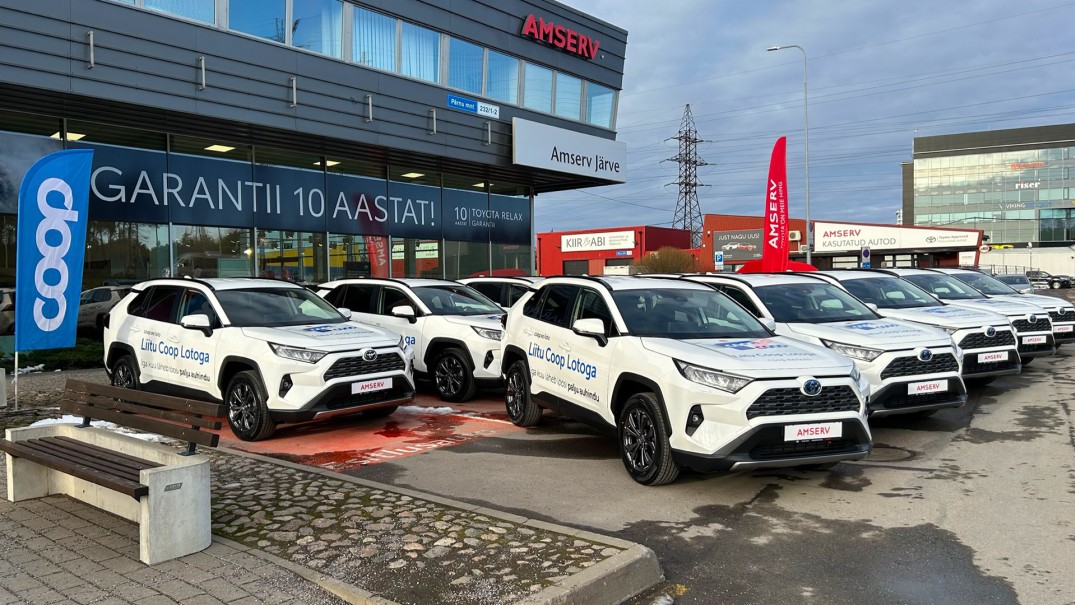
column 173, row 520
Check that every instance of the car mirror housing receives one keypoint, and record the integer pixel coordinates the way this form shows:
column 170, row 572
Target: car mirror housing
column 769, row 323
column 404, row 311
column 198, row 321
column 591, row 326
column 345, row 312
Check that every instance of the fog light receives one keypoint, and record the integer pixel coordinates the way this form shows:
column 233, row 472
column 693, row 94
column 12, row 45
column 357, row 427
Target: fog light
column 488, row 359
column 695, row 418
column 285, row 385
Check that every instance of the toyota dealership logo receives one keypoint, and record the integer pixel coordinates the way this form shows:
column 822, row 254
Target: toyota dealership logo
column 990, row 331
column 925, row 355
column 812, row 387
column 931, row 239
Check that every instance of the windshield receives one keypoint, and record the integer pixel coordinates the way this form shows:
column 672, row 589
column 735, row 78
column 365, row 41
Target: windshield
column 271, row 307
column 944, row 286
column 985, row 284
column 812, row 303
column 456, row 300
column 890, row 293
column 684, row 314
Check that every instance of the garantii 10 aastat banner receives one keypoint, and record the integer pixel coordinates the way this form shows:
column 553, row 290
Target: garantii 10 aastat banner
column 51, row 247
column 775, row 234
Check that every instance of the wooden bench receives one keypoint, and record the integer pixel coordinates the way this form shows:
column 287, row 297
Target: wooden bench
column 164, row 490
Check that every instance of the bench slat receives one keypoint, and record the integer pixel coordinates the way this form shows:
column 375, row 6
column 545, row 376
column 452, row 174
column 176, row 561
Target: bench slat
column 92, row 456
column 142, row 423
column 180, row 404
column 144, row 410
column 118, row 456
column 82, row 471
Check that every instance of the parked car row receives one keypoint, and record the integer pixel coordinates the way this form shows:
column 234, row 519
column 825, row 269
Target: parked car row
column 710, row 372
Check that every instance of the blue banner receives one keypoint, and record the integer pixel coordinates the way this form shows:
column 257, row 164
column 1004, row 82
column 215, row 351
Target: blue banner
column 52, row 218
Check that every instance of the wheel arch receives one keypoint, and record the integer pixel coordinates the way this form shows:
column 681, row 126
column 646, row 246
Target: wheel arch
column 439, row 344
column 628, row 384
column 232, row 365
column 512, row 353
column 117, row 350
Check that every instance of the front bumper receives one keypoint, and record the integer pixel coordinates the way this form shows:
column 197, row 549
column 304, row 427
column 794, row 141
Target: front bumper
column 764, row 447
column 895, row 399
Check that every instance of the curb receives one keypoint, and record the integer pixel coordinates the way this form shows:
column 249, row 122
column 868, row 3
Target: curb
column 613, row 580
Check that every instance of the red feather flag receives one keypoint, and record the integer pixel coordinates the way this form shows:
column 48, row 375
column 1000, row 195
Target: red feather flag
column 774, row 256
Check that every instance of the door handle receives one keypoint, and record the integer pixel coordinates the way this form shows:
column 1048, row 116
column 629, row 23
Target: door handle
column 565, row 347
column 528, row 331
column 173, row 338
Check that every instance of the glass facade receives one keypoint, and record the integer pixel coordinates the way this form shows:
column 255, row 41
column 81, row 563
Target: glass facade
column 171, row 205
column 1015, row 197
column 345, row 30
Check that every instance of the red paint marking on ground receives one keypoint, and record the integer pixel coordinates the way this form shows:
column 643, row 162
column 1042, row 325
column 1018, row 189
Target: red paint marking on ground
column 350, row 442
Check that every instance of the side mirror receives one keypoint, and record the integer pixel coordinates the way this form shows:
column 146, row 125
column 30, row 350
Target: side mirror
column 345, row 312
column 406, row 312
column 198, row 321
column 872, row 307
column 591, row 327
column 769, row 323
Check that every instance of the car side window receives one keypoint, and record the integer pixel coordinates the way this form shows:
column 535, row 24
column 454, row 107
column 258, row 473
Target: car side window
column 87, row 297
column 492, row 290
column 161, row 304
column 557, row 304
column 101, row 295
column 359, row 299
column 592, row 306
column 394, row 297
column 195, row 302
column 741, row 297
column 514, row 293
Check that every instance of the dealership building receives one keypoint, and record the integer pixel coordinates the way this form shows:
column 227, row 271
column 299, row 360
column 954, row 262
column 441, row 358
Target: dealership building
column 1015, row 185
column 309, row 139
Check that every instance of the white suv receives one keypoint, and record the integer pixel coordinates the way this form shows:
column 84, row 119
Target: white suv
column 454, row 329
column 1061, row 312
column 504, row 291
column 272, row 351
column 987, row 338
column 683, row 375
column 1033, row 328
column 911, row 368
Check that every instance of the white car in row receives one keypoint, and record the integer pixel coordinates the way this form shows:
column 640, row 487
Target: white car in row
column 682, row 375
column 454, row 329
column 911, row 368
column 503, row 290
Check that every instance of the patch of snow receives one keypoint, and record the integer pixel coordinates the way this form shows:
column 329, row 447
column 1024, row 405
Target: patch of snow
column 101, row 424
column 418, row 409
column 32, row 369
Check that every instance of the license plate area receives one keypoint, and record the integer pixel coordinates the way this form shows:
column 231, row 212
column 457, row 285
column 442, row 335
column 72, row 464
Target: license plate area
column 369, row 386
column 927, row 387
column 1064, row 328
column 992, row 356
column 1035, row 340
column 814, row 431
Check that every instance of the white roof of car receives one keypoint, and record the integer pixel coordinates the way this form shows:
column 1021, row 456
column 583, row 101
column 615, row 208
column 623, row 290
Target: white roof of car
column 515, row 279
column 220, row 283
column 626, row 282
column 902, row 272
column 412, row 282
column 845, row 275
column 760, row 279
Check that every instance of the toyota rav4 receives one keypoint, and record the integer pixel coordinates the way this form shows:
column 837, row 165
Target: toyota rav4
column 272, row 351
column 682, row 375
column 911, row 368
column 454, row 329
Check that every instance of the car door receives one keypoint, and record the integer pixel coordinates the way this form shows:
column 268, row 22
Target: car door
column 412, row 329
column 85, row 308
column 550, row 338
column 195, row 350
column 589, row 363
column 148, row 330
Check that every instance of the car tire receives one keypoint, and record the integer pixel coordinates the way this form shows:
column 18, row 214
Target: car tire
column 248, row 415
column 380, row 412
column 1055, row 285
column 452, row 376
column 522, row 411
column 644, row 446
column 125, row 373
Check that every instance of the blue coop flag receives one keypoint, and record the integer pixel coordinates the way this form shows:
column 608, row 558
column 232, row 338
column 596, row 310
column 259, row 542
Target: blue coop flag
column 53, row 213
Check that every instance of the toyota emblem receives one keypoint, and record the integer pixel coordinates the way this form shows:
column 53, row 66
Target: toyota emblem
column 1032, row 319
column 1065, row 310
column 925, row 355
column 812, row 387
column 369, row 354
column 990, row 331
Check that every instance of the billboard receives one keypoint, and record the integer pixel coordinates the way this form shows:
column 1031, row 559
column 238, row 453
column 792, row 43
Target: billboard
column 738, row 246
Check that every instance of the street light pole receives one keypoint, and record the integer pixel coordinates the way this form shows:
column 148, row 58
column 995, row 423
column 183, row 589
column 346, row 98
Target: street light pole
column 806, row 145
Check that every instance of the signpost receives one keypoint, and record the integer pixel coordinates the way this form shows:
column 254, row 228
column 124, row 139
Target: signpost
column 718, row 261
column 864, row 255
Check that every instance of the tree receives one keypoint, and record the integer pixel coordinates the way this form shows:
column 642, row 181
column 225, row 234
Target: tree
column 667, row 260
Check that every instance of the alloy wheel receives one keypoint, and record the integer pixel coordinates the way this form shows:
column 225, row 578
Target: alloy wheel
column 639, row 440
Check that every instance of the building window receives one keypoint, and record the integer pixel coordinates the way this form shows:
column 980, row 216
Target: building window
column 317, row 25
column 262, row 18
column 568, row 96
column 420, row 53
column 502, row 78
column 599, row 105
column 465, row 65
column 198, row 10
column 537, row 88
column 374, row 40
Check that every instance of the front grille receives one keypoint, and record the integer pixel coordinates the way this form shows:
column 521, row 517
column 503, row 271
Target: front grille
column 802, row 448
column 979, row 340
column 1022, row 325
column 357, row 366
column 903, row 400
column 911, row 366
column 1063, row 336
column 787, row 401
column 973, row 366
column 1057, row 316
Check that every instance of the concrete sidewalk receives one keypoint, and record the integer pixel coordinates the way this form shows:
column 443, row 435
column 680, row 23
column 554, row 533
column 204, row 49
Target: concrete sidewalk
column 290, row 533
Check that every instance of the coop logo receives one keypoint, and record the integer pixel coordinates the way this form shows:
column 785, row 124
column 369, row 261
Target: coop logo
column 51, row 246
column 747, row 345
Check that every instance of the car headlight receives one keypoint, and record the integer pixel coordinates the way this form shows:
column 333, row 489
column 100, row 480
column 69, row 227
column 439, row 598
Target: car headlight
column 489, row 333
column 297, row 354
column 862, row 353
column 712, row 378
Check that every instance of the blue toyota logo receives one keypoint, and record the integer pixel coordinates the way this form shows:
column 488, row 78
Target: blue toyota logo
column 925, row 355
column 812, row 387
column 990, row 331
column 1033, row 319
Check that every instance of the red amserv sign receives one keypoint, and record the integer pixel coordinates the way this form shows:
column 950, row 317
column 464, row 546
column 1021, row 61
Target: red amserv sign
column 561, row 37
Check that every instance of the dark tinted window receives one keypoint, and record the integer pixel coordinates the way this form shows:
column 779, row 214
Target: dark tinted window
column 394, row 297
column 556, row 304
column 102, row 295
column 161, row 303
column 492, row 290
column 592, row 306
column 742, row 298
column 514, row 293
column 359, row 299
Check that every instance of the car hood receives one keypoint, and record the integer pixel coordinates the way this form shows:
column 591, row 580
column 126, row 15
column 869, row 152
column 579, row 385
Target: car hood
column 325, row 337
column 776, row 356
column 1045, row 302
column 948, row 316
column 998, row 305
column 491, row 322
column 886, row 333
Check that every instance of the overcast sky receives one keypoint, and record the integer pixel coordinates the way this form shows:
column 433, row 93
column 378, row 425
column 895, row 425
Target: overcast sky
column 878, row 73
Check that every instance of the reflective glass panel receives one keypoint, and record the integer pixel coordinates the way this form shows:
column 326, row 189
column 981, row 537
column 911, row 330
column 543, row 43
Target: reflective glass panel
column 261, row 18
column 502, row 78
column 199, row 10
column 600, row 102
column 374, row 40
column 537, row 88
column 568, row 96
column 421, row 53
column 212, row 251
column 465, row 65
column 317, row 25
